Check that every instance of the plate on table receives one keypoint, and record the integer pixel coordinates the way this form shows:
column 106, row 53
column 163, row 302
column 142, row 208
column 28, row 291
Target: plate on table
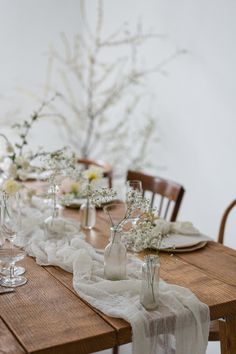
column 184, row 243
column 185, row 249
column 77, row 202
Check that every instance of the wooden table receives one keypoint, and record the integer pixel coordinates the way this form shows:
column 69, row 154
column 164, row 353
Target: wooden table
column 46, row 316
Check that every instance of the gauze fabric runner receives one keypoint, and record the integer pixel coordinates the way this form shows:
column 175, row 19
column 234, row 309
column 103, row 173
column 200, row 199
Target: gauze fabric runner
column 179, row 326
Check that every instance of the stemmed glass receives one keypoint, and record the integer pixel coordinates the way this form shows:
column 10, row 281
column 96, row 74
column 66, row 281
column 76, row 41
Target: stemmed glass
column 134, row 186
column 10, row 225
column 133, row 189
column 5, row 270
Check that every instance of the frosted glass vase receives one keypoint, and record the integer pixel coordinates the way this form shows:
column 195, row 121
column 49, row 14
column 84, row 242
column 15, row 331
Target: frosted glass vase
column 115, row 257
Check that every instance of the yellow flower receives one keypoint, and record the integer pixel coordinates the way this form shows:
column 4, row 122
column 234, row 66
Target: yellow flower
column 93, row 173
column 75, row 186
column 11, row 187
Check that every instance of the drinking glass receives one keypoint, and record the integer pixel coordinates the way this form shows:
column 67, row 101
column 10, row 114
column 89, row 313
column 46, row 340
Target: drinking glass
column 10, row 225
column 134, row 186
column 5, row 269
column 134, row 190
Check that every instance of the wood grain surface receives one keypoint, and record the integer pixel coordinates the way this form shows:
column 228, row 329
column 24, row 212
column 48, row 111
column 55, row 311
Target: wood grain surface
column 46, row 316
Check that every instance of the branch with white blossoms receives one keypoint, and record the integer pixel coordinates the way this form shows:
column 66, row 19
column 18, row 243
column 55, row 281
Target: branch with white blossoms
column 113, row 90
column 20, row 159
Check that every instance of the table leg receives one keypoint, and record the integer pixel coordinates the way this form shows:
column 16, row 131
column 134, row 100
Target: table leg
column 115, row 350
column 227, row 335
column 222, row 336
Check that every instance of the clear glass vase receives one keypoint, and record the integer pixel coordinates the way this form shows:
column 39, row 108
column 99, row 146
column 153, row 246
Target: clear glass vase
column 150, row 282
column 87, row 215
column 115, row 257
column 54, row 223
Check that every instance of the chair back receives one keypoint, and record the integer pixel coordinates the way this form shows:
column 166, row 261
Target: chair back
column 108, row 171
column 166, row 195
column 224, row 220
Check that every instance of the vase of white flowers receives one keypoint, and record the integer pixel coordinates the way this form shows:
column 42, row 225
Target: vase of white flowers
column 88, row 214
column 150, row 282
column 91, row 192
column 115, row 257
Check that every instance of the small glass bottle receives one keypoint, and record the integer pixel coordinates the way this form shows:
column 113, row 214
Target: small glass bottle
column 150, row 282
column 88, row 215
column 115, row 257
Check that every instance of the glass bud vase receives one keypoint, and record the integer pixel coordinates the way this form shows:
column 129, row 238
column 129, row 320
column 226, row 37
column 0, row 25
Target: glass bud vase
column 53, row 224
column 115, row 257
column 87, row 215
column 150, row 282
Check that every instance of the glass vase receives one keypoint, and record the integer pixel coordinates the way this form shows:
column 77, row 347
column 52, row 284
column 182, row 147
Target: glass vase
column 150, row 282
column 87, row 215
column 54, row 223
column 115, row 257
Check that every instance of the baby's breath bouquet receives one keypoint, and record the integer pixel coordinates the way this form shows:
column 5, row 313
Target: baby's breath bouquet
column 148, row 233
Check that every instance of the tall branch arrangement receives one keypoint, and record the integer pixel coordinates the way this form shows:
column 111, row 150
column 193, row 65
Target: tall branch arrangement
column 100, row 95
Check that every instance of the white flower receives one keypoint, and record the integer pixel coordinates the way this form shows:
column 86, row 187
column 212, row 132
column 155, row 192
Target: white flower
column 70, row 186
column 11, row 187
column 93, row 173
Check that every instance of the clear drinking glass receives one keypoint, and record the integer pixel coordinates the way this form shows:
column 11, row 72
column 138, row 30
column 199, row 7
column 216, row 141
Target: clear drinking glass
column 115, row 257
column 133, row 190
column 150, row 282
column 10, row 225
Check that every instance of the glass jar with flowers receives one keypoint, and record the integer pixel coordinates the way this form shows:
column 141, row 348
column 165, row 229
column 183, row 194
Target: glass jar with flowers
column 150, row 282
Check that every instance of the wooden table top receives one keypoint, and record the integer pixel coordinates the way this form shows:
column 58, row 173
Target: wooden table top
column 47, row 316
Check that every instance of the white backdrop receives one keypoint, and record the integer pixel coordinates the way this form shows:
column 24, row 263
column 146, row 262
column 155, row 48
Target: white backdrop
column 195, row 103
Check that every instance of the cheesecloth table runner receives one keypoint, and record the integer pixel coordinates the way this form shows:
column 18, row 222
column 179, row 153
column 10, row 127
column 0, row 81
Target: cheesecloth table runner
column 179, row 326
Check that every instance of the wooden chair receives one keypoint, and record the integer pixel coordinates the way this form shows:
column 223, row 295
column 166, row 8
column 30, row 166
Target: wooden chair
column 108, row 171
column 167, row 193
column 214, row 334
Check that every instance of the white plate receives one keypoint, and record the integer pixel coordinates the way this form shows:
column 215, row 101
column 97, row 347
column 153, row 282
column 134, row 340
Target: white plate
column 77, row 202
column 181, row 241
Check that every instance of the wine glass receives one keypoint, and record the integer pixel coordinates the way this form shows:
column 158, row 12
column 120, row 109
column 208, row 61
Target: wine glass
column 10, row 225
column 133, row 190
column 5, row 269
column 134, row 186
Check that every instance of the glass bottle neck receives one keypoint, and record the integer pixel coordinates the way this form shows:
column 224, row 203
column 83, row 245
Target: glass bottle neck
column 115, row 235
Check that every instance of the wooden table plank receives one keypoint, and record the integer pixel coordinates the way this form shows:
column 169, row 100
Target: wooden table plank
column 8, row 343
column 44, row 314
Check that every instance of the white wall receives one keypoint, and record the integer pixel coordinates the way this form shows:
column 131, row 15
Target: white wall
column 195, row 103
